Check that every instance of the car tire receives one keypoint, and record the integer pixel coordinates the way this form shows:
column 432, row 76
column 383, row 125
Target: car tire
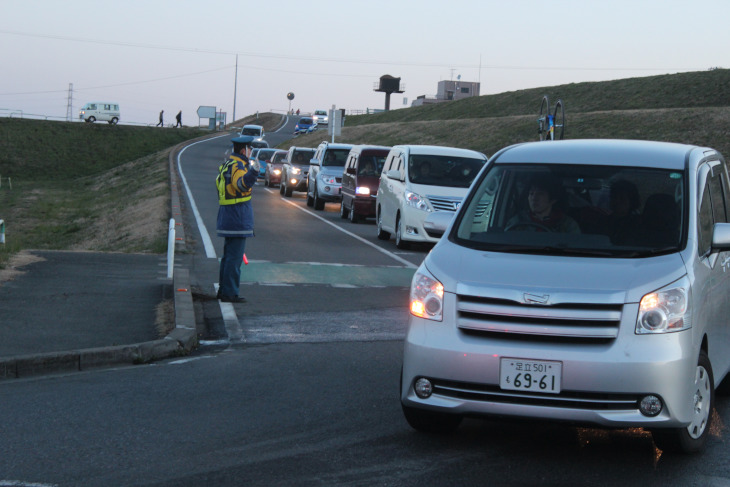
column 288, row 191
column 399, row 242
column 91, row 119
column 317, row 202
column 693, row 438
column 382, row 234
column 281, row 188
column 310, row 199
column 354, row 217
column 113, row 121
column 343, row 210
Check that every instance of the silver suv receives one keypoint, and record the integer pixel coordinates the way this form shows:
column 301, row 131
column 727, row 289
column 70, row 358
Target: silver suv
column 294, row 170
column 324, row 181
column 583, row 281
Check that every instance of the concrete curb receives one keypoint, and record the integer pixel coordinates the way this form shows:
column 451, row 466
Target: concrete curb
column 180, row 341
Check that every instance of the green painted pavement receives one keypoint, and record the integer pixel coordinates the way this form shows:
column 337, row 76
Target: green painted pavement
column 332, row 274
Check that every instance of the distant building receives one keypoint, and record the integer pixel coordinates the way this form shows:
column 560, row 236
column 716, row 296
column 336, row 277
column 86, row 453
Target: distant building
column 449, row 91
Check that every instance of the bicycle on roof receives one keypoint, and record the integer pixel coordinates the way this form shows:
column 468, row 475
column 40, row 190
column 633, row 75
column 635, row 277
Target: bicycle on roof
column 551, row 126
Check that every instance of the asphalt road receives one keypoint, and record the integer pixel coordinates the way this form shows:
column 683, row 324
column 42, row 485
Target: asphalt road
column 300, row 385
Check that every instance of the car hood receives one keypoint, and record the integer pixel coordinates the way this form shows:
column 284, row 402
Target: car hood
column 332, row 171
column 562, row 279
column 443, row 191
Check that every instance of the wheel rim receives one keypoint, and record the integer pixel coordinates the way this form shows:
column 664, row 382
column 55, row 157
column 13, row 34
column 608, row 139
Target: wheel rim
column 701, row 403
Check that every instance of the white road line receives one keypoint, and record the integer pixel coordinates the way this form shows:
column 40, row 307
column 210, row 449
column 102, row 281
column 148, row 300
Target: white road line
column 357, row 237
column 207, row 242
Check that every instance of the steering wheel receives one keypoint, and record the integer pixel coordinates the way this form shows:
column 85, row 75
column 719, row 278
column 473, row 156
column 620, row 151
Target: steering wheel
column 527, row 224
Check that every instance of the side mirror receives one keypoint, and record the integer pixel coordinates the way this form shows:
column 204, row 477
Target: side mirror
column 437, row 222
column 721, row 236
column 351, row 170
column 314, row 162
column 394, row 174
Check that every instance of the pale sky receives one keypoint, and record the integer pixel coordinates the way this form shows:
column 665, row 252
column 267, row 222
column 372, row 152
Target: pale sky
column 152, row 55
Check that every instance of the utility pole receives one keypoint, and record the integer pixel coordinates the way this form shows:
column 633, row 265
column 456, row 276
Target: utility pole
column 70, row 102
column 235, row 86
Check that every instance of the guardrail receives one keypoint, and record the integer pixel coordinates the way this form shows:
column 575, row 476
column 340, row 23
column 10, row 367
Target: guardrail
column 2, row 231
column 10, row 182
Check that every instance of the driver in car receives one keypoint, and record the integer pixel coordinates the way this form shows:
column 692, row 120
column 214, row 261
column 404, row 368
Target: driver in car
column 544, row 213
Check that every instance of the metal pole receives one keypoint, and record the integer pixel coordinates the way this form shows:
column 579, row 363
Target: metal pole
column 170, row 248
column 235, row 87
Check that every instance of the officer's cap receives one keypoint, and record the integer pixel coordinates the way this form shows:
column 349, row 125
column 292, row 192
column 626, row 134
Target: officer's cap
column 241, row 141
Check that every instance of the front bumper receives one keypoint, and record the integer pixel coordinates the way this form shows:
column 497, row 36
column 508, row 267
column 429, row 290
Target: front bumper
column 329, row 192
column 601, row 384
column 412, row 220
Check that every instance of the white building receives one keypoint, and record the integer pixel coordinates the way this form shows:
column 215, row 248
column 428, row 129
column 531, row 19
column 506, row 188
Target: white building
column 448, row 91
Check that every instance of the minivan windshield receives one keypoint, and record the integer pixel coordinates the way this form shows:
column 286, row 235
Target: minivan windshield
column 251, row 131
column 454, row 172
column 612, row 211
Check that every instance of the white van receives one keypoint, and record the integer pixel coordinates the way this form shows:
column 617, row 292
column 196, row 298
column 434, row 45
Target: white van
column 256, row 131
column 420, row 179
column 583, row 281
column 103, row 111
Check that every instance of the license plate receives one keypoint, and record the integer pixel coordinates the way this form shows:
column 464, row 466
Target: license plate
column 530, row 375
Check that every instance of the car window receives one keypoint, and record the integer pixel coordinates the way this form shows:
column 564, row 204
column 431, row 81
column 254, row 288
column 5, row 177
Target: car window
column 303, row 156
column 306, row 121
column 250, row 131
column 611, row 211
column 455, row 172
column 335, row 157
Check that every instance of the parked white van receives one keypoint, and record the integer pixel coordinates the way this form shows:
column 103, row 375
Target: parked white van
column 420, row 179
column 103, row 111
column 594, row 291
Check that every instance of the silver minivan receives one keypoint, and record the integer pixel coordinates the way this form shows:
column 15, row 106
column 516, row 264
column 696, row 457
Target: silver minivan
column 583, row 281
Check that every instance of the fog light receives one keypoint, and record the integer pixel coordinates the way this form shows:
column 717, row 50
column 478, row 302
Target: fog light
column 650, row 405
column 327, row 189
column 423, row 388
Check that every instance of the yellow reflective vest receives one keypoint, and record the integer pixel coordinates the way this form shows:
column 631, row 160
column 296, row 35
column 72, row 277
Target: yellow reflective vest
column 230, row 182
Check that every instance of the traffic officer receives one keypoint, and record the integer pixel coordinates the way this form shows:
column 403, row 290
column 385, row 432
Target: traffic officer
column 235, row 182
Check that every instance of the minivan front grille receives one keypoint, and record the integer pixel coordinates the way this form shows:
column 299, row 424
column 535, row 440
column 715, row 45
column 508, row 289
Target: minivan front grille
column 444, row 203
column 566, row 399
column 511, row 319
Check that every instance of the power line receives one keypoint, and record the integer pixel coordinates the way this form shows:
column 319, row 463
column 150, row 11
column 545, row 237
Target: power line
column 334, row 60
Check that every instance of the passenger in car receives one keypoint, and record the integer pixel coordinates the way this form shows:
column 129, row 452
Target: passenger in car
column 367, row 168
column 544, row 213
column 660, row 221
column 624, row 220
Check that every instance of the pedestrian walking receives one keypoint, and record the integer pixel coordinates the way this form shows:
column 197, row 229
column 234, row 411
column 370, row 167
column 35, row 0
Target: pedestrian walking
column 160, row 124
column 178, row 117
column 235, row 182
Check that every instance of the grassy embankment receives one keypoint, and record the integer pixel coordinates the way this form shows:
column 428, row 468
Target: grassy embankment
column 690, row 108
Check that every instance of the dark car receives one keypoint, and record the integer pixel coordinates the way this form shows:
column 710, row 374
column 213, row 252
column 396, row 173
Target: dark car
column 305, row 125
column 272, row 175
column 360, row 180
column 295, row 169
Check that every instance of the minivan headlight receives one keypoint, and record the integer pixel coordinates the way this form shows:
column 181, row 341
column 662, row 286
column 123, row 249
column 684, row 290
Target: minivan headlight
column 416, row 201
column 427, row 296
column 666, row 310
